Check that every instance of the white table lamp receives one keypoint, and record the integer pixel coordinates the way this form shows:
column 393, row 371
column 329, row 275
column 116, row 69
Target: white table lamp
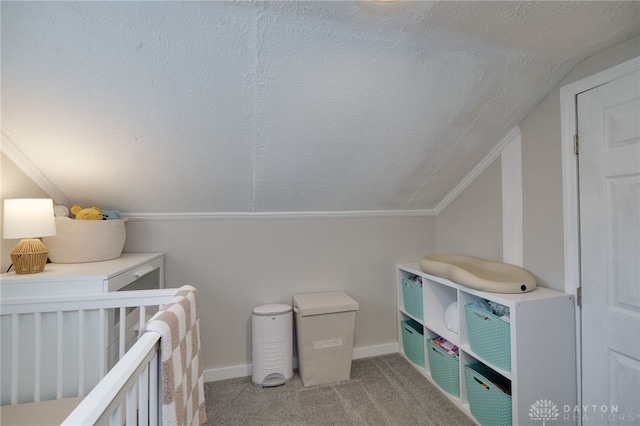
column 30, row 219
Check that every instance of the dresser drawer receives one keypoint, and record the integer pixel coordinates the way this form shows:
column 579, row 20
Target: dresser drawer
column 146, row 276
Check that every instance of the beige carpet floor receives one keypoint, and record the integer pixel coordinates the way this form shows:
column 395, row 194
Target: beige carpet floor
column 384, row 390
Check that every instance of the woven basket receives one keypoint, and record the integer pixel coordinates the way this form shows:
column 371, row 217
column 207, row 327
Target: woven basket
column 489, row 336
column 489, row 404
column 412, row 297
column 445, row 369
column 80, row 241
column 413, row 341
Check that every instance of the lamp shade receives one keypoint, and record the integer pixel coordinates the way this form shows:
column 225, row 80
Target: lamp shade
column 28, row 218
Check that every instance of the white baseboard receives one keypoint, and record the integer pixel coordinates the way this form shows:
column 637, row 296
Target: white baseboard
column 246, row 370
column 227, row 373
column 369, row 351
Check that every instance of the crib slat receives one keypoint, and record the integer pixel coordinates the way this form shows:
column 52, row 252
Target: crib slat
column 37, row 367
column 143, row 397
column 14, row 358
column 81, row 352
column 142, row 319
column 131, row 407
column 102, row 325
column 122, row 334
column 116, row 417
column 59, row 351
column 154, row 391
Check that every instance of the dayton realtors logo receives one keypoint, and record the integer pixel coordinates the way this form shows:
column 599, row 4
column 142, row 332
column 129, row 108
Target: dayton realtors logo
column 543, row 409
column 599, row 414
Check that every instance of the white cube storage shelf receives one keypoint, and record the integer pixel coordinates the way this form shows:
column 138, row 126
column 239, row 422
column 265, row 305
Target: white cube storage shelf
column 542, row 341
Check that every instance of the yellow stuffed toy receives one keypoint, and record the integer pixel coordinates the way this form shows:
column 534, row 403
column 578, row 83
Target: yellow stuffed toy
column 90, row 213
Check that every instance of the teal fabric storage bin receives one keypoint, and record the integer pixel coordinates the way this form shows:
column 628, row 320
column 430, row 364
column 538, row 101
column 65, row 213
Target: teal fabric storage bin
column 489, row 395
column 412, row 297
column 445, row 368
column 413, row 341
column 489, row 336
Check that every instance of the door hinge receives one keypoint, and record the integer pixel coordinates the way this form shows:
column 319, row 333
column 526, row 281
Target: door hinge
column 579, row 297
column 576, row 144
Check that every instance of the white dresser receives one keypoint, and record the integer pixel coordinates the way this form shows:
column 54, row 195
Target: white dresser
column 131, row 271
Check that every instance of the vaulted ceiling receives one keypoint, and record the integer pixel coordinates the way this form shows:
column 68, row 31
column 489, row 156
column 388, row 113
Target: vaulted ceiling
column 276, row 106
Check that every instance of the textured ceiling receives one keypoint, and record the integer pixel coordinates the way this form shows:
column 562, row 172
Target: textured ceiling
column 299, row 106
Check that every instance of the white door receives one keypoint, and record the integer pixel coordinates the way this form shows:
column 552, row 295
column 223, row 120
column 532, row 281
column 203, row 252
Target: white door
column 609, row 179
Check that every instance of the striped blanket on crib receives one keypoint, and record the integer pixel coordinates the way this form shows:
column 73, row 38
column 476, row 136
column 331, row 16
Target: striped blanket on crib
column 182, row 389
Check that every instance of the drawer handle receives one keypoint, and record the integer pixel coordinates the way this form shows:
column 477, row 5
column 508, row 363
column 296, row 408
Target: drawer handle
column 139, row 273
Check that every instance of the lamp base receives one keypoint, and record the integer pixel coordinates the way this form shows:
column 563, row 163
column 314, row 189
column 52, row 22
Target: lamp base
column 29, row 256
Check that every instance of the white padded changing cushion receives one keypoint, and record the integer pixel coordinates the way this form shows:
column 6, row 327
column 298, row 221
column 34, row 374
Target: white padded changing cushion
column 480, row 274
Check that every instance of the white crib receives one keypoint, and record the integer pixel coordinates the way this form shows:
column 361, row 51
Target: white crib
column 56, row 364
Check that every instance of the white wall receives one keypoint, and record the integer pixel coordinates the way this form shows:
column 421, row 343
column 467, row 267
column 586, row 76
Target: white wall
column 243, row 263
column 472, row 223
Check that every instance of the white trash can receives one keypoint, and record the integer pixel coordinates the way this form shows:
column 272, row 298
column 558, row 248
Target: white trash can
column 325, row 324
column 272, row 345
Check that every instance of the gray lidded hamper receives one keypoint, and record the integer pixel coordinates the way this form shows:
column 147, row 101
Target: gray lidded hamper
column 325, row 324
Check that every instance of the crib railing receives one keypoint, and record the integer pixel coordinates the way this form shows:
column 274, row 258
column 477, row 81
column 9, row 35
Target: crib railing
column 128, row 392
column 50, row 349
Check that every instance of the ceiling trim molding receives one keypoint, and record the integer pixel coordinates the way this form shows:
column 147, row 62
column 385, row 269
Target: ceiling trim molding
column 9, row 148
column 513, row 135
column 188, row 216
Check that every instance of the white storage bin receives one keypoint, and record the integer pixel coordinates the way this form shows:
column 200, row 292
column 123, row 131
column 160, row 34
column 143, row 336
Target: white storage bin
column 325, row 324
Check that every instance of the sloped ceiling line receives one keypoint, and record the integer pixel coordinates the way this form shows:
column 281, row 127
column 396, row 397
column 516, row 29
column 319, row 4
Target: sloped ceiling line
column 23, row 163
column 14, row 154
